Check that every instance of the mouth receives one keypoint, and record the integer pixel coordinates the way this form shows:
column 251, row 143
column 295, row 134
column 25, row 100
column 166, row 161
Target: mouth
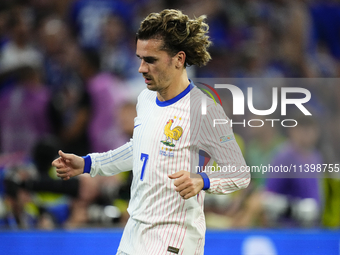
column 147, row 80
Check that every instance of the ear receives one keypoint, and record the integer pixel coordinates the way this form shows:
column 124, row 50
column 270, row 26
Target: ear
column 180, row 59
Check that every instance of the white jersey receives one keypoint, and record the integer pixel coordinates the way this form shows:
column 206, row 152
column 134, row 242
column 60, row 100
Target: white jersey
column 165, row 142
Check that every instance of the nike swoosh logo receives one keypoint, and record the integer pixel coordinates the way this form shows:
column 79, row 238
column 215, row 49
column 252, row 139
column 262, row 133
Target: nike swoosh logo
column 137, row 125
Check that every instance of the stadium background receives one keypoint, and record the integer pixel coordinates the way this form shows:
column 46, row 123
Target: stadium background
column 68, row 73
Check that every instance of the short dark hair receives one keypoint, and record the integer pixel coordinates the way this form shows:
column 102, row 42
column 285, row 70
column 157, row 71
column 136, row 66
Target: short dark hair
column 179, row 33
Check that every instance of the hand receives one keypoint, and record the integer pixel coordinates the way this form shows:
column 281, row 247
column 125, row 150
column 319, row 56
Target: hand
column 68, row 165
column 187, row 186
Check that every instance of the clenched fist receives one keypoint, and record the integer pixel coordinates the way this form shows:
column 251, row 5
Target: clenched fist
column 68, row 165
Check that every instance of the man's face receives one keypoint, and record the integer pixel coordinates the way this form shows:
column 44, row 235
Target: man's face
column 156, row 65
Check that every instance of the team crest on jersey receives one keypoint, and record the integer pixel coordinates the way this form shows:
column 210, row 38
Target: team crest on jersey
column 171, row 135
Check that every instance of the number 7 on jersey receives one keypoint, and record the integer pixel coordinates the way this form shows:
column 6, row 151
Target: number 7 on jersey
column 144, row 157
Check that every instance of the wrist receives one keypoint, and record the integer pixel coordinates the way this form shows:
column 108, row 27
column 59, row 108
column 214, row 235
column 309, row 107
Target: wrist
column 206, row 181
column 87, row 164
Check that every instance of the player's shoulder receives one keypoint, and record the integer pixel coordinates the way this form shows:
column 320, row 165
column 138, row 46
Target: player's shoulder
column 199, row 101
column 147, row 95
column 196, row 97
column 145, row 92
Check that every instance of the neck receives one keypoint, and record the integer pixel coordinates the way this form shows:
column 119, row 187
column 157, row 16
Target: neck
column 176, row 87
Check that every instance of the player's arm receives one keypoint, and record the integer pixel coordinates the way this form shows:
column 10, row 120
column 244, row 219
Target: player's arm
column 111, row 162
column 219, row 142
column 106, row 164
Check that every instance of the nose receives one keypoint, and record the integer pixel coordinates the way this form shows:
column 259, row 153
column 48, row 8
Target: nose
column 143, row 68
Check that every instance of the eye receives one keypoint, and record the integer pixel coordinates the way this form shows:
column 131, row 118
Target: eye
column 150, row 60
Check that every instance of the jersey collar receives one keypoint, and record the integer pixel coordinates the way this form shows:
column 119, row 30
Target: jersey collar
column 176, row 98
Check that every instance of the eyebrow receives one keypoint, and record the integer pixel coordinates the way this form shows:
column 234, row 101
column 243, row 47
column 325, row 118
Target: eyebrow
column 147, row 58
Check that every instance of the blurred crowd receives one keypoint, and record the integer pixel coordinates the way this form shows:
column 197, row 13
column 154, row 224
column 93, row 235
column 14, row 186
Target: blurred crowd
column 69, row 80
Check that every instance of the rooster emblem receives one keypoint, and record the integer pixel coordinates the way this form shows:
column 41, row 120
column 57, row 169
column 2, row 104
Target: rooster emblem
column 171, row 135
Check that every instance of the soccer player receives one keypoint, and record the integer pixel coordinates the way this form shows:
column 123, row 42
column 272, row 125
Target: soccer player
column 166, row 205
